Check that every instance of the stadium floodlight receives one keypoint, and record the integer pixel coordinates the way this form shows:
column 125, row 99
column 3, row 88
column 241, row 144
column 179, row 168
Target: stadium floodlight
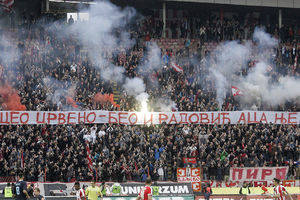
column 74, row 1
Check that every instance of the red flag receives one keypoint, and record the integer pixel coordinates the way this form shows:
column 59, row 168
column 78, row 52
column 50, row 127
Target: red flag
column 269, row 68
column 88, row 156
column 236, row 91
column 189, row 160
column 7, row 4
column 1, row 70
column 22, row 159
column 177, row 68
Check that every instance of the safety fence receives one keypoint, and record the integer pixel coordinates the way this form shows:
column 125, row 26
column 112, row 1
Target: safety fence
column 183, row 197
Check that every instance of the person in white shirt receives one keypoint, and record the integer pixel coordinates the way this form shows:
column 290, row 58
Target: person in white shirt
column 73, row 67
column 101, row 132
column 93, row 133
column 161, row 173
column 87, row 137
column 280, row 192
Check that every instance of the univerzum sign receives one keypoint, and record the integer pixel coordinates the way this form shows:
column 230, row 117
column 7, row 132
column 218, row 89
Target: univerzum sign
column 169, row 189
column 189, row 197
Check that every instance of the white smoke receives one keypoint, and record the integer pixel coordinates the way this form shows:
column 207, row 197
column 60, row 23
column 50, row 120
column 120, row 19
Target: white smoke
column 258, row 87
column 9, row 51
column 113, row 73
column 230, row 58
column 152, row 60
column 104, row 32
column 221, row 86
column 134, row 86
column 165, row 104
column 263, row 39
column 58, row 92
column 137, row 88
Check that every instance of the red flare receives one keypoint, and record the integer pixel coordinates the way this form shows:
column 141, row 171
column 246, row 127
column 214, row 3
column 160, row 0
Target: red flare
column 104, row 98
column 10, row 98
column 71, row 102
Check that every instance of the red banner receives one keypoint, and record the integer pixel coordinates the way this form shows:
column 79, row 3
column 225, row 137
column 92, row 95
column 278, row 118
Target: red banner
column 142, row 118
column 229, row 184
column 258, row 173
column 189, row 160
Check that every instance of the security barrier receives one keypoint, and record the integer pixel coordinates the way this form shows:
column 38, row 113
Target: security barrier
column 244, row 197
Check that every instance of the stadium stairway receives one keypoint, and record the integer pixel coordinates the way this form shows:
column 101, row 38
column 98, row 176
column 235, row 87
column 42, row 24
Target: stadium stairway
column 116, row 92
column 169, row 170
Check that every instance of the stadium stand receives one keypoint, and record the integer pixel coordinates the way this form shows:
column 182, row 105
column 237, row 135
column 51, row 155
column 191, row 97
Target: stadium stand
column 47, row 63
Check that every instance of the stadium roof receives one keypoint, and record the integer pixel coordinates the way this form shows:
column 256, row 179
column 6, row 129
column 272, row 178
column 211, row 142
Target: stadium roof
column 74, row 1
column 263, row 3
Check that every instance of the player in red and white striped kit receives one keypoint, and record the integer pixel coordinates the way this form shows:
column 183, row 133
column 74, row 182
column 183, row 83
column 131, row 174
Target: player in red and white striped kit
column 146, row 192
column 80, row 194
column 280, row 191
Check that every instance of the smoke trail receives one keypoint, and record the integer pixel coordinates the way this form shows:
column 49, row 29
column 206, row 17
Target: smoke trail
column 231, row 57
column 263, row 39
column 165, row 105
column 106, row 31
column 152, row 60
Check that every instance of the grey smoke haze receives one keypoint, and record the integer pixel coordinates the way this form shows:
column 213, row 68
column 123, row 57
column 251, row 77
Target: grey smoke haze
column 106, row 31
column 221, row 86
column 58, row 90
column 153, row 60
column 113, row 73
column 258, row 87
column 263, row 39
column 9, row 52
column 165, row 104
column 230, row 58
column 137, row 88
column 134, row 86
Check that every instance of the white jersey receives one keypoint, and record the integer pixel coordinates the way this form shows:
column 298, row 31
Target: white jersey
column 79, row 194
column 279, row 189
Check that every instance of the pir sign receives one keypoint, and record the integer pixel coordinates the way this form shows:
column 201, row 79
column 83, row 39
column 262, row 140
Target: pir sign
column 142, row 118
column 258, row 173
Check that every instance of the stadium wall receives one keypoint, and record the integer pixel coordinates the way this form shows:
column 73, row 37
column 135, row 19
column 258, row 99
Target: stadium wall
column 167, row 189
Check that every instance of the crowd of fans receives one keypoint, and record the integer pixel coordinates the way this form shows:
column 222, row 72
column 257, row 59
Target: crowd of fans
column 123, row 153
column 47, row 70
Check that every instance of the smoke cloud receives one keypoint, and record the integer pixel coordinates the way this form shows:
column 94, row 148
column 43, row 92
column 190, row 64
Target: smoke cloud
column 259, row 87
column 231, row 57
column 61, row 93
